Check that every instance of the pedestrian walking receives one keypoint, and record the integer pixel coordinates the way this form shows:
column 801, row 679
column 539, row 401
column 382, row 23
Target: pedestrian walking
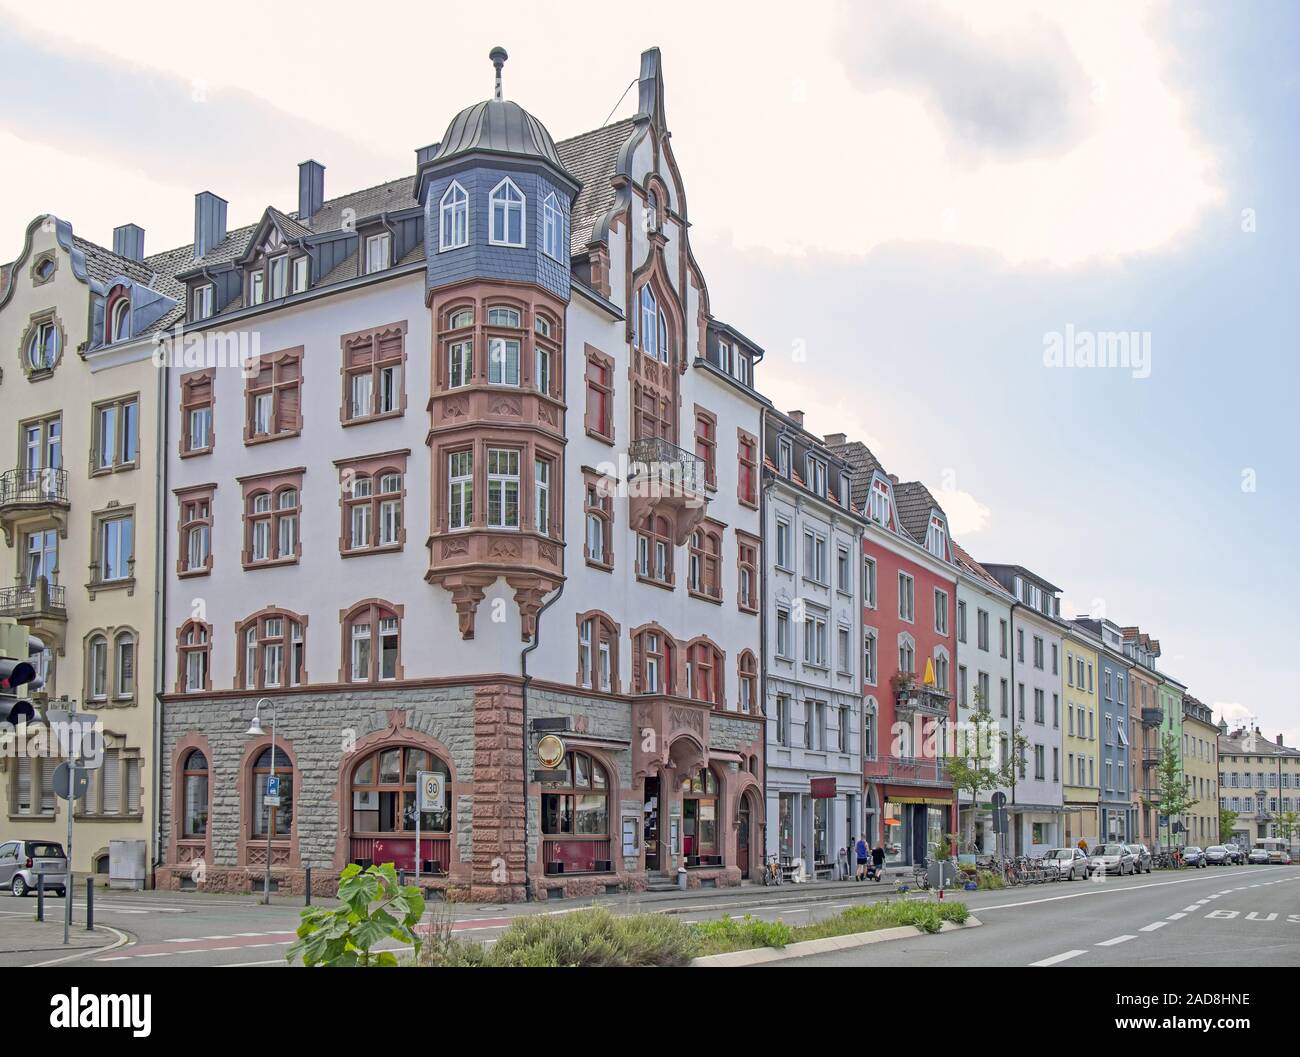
column 863, row 858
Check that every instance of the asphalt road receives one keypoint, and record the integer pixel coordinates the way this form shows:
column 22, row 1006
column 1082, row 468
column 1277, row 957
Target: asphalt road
column 1219, row 916
column 1216, row 916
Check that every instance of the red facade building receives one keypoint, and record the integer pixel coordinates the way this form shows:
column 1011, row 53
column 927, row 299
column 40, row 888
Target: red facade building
column 909, row 659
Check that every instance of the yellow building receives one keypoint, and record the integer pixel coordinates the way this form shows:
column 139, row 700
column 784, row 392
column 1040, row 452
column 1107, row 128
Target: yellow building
column 79, row 481
column 1080, row 744
column 1200, row 773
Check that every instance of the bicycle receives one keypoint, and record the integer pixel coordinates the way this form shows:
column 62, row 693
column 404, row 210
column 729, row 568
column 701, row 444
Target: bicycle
column 771, row 871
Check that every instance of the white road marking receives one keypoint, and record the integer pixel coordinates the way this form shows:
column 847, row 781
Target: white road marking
column 1057, row 958
column 1175, row 917
column 1192, row 908
column 1094, row 891
column 1117, row 939
column 1152, row 927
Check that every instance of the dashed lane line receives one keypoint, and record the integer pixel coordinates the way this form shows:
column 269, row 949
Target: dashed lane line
column 1153, row 926
column 1118, row 939
column 1056, row 959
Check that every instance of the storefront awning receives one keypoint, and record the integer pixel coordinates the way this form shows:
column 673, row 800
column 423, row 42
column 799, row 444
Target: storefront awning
column 724, row 757
column 919, row 800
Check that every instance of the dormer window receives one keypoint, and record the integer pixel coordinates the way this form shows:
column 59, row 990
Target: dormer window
column 379, row 250
column 119, row 316
column 257, row 288
column 878, row 508
column 724, row 356
column 553, row 228
column 506, row 207
column 784, row 452
column 202, row 305
column 279, row 268
column 301, row 273
column 453, row 218
column 816, row 476
column 742, row 368
column 936, row 538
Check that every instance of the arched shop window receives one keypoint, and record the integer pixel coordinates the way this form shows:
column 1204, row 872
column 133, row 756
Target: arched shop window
column 278, row 819
column 575, row 818
column 384, row 793
column 700, row 841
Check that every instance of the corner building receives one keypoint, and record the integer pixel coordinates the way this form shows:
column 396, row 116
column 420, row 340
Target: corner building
column 495, row 462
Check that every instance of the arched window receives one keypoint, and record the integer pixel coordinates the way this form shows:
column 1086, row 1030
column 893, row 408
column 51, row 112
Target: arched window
column 704, row 675
column 700, row 818
column 194, row 793
column 906, row 654
column 575, row 818
column 454, row 213
column 654, row 550
column 194, row 648
column 504, row 350
column 372, row 643
column 275, row 820
column 384, row 793
column 97, row 667
column 273, row 651
column 124, row 665
column 553, row 228
column 704, row 573
column 597, row 652
column 373, row 509
column 506, row 205
column 747, row 674
column 648, row 323
column 654, row 662
column 118, row 316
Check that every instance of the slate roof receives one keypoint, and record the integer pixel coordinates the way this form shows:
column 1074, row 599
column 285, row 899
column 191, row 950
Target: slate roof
column 1247, row 743
column 862, row 464
column 158, row 272
column 914, row 503
column 592, row 158
column 499, row 126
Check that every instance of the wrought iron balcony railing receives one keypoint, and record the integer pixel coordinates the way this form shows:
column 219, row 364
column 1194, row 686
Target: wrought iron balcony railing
column 654, row 459
column 1153, row 717
column 39, row 599
column 33, row 486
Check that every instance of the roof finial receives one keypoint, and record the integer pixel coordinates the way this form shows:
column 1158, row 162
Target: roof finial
column 498, row 56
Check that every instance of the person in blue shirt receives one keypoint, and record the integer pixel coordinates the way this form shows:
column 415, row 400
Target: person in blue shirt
column 863, row 858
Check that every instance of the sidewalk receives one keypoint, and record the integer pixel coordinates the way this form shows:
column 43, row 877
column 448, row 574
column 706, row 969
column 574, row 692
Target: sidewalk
column 26, row 935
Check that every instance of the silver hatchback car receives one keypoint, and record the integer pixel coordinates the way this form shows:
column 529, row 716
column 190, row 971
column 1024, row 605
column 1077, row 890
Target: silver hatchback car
column 23, row 861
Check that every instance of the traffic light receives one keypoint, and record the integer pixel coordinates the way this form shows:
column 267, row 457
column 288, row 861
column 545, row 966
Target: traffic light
column 13, row 674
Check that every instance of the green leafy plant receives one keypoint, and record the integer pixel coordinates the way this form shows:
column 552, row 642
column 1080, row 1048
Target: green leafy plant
column 732, row 934
column 344, row 935
column 1227, row 820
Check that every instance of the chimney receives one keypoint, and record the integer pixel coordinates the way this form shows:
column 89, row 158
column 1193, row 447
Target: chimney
column 423, row 154
column 128, row 242
column 836, row 439
column 311, row 189
column 893, row 477
column 209, row 222
column 1279, row 739
column 798, row 418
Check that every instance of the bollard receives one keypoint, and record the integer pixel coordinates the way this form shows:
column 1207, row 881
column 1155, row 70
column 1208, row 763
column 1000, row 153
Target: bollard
column 306, row 888
column 90, row 904
column 40, row 897
column 401, row 878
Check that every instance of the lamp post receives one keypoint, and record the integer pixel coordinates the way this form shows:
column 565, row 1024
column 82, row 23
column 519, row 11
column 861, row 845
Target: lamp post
column 255, row 731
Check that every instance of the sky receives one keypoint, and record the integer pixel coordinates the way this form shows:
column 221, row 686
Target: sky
column 926, row 211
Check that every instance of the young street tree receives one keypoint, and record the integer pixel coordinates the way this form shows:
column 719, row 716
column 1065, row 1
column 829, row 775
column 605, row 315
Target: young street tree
column 1173, row 796
column 1288, row 825
column 1227, row 819
column 972, row 766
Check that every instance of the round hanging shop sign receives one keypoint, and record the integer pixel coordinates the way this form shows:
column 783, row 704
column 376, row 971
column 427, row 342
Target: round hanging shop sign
column 550, row 751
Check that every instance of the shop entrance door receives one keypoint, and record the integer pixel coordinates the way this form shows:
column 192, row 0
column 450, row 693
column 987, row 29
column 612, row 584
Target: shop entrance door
column 920, row 834
column 651, row 824
column 742, row 838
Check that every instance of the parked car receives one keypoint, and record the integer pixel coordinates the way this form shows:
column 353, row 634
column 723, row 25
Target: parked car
column 1257, row 856
column 1112, row 858
column 1218, row 855
column 1194, row 856
column 1141, row 857
column 1236, row 854
column 23, row 861
column 1072, row 862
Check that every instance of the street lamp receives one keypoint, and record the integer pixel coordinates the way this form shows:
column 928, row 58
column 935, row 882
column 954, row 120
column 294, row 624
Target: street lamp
column 255, row 731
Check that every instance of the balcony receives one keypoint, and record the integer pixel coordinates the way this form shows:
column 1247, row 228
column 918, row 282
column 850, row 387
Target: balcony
column 666, row 481
column 41, row 607
column 922, row 700
column 32, row 500
column 1153, row 717
column 1150, row 757
column 914, row 770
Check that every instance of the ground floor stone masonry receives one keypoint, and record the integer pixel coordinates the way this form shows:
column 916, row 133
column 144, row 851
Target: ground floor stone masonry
column 653, row 784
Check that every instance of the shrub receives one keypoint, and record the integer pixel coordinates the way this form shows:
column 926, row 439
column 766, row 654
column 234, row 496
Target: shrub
column 730, row 934
column 987, row 880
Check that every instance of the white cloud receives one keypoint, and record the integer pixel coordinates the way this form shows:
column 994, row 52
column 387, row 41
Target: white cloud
column 966, row 514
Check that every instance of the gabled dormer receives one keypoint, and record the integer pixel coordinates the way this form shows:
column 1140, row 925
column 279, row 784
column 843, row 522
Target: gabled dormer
column 880, row 506
column 276, row 262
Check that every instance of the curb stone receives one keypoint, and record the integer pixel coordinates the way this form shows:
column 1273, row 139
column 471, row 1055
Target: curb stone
column 762, row 955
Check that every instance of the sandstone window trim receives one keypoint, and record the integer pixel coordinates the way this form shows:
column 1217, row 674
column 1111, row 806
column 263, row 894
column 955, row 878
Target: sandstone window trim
column 706, row 679
column 598, row 419
column 748, row 585
column 273, row 398
column 706, row 444
column 704, row 566
column 372, row 499
column 44, row 332
column 193, row 638
column 272, row 518
column 598, row 520
column 115, row 435
column 655, row 555
column 377, row 356
column 383, row 619
column 654, row 661
column 598, row 637
column 196, row 510
column 747, row 469
column 198, row 412
column 274, row 655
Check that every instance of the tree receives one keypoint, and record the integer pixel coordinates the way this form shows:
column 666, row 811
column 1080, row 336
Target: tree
column 1288, row 825
column 1173, row 795
column 344, row 935
column 972, row 765
column 1227, row 819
